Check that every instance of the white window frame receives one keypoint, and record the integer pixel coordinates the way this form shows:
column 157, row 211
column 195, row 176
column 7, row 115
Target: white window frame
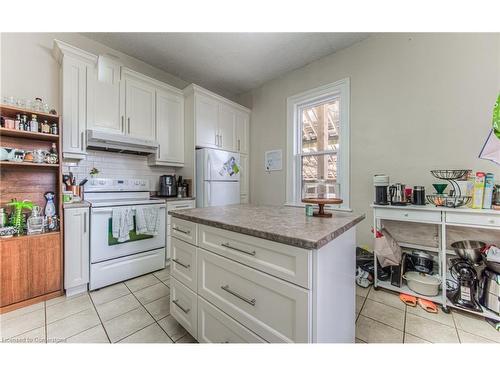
column 295, row 104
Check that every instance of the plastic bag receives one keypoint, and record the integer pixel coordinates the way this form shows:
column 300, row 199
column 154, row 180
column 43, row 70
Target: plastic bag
column 387, row 250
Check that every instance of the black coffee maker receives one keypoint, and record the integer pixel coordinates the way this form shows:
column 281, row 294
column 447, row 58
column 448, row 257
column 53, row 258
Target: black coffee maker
column 168, row 185
column 464, row 295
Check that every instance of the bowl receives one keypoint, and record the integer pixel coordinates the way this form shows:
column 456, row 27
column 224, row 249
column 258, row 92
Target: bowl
column 493, row 266
column 440, row 188
column 469, row 249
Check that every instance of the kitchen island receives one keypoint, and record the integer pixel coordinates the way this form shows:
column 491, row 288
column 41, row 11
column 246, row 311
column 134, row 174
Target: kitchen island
column 249, row 273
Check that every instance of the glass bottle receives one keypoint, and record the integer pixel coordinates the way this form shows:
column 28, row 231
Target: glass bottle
column 35, row 221
column 26, row 125
column 45, row 127
column 33, row 124
column 53, row 129
column 17, row 122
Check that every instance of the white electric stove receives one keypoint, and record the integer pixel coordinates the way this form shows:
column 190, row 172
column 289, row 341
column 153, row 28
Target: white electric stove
column 112, row 261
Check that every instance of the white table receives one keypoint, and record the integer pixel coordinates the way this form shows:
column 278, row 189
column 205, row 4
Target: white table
column 443, row 218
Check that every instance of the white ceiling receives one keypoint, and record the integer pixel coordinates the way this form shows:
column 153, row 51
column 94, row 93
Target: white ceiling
column 227, row 63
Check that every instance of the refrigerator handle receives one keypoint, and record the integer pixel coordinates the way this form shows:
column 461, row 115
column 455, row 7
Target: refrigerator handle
column 209, row 168
column 209, row 203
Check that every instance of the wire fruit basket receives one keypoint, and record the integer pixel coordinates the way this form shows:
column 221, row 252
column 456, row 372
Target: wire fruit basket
column 451, row 201
column 455, row 199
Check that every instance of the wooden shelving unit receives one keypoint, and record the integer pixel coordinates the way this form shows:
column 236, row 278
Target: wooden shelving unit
column 31, row 265
column 15, row 164
column 30, row 135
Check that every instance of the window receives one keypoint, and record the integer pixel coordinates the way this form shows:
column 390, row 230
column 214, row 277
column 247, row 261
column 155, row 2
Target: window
column 318, row 140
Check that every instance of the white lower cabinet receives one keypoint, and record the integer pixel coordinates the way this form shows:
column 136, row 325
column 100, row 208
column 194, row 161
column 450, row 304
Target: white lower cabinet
column 272, row 308
column 184, row 306
column 76, row 250
column 245, row 289
column 183, row 266
column 172, row 206
column 216, row 327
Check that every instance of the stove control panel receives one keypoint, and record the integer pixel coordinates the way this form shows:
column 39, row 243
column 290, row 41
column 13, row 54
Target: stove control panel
column 116, row 184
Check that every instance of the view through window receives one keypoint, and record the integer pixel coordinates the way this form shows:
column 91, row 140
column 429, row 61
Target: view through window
column 320, row 141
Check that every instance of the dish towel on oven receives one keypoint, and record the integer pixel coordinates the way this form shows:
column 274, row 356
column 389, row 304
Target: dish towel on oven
column 122, row 223
column 147, row 220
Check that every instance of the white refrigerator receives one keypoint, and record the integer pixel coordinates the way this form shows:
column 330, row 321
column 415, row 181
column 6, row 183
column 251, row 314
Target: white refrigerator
column 217, row 177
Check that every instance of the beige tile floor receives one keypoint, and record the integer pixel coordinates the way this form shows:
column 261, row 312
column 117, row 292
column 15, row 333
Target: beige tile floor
column 137, row 311
column 383, row 318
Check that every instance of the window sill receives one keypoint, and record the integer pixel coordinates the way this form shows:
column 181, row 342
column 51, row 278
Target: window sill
column 328, row 207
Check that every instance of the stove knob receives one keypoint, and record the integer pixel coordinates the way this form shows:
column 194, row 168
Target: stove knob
column 101, row 182
column 143, row 183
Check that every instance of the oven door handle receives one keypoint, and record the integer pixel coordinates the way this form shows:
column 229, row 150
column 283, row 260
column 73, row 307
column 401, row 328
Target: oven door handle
column 110, row 209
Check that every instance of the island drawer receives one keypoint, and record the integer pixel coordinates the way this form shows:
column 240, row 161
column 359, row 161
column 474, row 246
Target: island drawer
column 286, row 262
column 408, row 215
column 473, row 218
column 216, row 327
column 178, row 205
column 274, row 309
column 184, row 230
column 183, row 266
column 184, row 306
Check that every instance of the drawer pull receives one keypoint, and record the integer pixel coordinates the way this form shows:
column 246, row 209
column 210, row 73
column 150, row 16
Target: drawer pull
column 187, row 232
column 180, row 263
column 247, row 300
column 177, row 207
column 492, row 221
column 405, row 215
column 176, row 303
column 252, row 253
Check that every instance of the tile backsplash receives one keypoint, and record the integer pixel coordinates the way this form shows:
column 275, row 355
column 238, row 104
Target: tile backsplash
column 115, row 165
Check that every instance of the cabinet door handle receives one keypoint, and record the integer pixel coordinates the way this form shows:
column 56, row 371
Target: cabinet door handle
column 245, row 299
column 85, row 222
column 238, row 145
column 159, row 152
column 179, row 207
column 252, row 253
column 221, row 140
column 176, row 303
column 81, row 144
column 128, row 120
column 123, row 124
column 182, row 231
column 181, row 264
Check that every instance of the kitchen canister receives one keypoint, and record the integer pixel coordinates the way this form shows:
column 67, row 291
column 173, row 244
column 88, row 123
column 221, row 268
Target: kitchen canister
column 67, row 196
column 309, row 210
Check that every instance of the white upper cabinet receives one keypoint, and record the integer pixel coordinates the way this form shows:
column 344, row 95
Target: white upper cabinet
column 206, row 119
column 139, row 106
column 105, row 94
column 169, row 128
column 242, row 131
column 217, row 122
column 77, row 68
column 226, row 128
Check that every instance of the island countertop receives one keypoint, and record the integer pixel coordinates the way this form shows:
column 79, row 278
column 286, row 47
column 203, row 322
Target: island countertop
column 288, row 225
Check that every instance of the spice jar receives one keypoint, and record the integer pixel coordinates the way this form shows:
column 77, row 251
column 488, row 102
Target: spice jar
column 53, row 129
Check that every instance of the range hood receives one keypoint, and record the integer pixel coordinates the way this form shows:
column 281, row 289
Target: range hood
column 99, row 140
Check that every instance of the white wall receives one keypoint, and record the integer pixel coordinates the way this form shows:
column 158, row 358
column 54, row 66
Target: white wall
column 28, row 70
column 418, row 103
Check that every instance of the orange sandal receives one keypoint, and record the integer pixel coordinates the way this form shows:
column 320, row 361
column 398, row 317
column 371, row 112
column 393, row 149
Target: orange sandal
column 408, row 300
column 428, row 306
